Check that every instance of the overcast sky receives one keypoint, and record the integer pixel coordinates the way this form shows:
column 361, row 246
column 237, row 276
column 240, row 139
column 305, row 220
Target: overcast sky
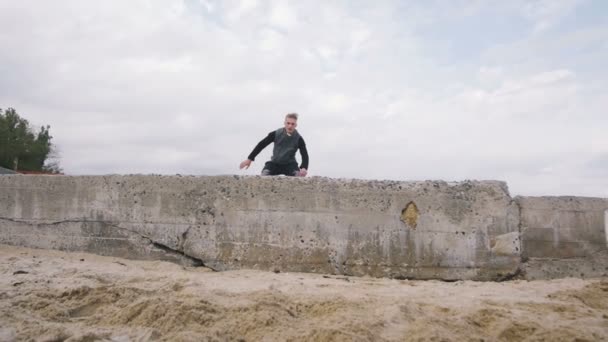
column 404, row 90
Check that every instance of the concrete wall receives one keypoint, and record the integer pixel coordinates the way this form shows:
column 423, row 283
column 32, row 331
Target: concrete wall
column 564, row 236
column 466, row 230
column 562, row 227
column 422, row 230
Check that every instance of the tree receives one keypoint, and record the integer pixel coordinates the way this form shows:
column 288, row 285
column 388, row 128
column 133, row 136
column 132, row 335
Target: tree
column 21, row 148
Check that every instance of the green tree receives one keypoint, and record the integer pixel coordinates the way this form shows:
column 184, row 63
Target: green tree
column 21, row 147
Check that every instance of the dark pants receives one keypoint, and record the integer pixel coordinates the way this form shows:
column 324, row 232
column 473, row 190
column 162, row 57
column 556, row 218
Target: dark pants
column 273, row 169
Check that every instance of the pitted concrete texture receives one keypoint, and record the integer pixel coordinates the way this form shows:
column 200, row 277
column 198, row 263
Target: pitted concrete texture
column 564, row 236
column 422, row 230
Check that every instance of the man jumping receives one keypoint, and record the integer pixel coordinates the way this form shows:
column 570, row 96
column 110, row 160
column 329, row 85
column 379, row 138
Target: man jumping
column 287, row 141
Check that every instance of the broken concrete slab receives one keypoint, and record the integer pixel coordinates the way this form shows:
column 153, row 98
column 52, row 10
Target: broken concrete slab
column 562, row 227
column 563, row 236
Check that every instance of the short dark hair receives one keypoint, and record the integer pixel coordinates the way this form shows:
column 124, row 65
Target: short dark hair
column 291, row 116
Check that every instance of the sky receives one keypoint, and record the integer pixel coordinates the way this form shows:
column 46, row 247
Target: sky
column 402, row 90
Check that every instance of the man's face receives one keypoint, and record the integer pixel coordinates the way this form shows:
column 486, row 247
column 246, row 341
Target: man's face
column 290, row 125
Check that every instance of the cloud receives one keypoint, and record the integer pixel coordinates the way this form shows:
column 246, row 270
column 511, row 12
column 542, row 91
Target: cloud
column 547, row 13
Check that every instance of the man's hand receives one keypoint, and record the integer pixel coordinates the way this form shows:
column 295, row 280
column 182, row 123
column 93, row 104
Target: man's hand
column 245, row 164
column 303, row 172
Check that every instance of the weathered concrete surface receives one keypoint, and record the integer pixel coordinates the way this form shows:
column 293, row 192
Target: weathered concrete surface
column 563, row 236
column 466, row 230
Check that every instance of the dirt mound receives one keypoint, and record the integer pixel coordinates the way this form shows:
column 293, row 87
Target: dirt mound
column 55, row 296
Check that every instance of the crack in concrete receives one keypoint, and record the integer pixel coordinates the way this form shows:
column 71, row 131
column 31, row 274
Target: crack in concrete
column 38, row 222
column 195, row 261
column 184, row 236
column 517, row 274
column 180, row 251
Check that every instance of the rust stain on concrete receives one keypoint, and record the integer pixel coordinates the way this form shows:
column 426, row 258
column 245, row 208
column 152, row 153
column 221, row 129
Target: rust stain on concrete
column 409, row 215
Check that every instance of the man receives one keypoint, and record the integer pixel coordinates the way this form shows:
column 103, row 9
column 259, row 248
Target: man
column 287, row 141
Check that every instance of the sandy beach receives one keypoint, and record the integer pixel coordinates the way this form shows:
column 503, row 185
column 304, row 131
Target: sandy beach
column 57, row 296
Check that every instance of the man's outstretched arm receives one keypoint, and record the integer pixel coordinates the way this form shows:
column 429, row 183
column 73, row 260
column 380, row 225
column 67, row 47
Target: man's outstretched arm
column 261, row 145
column 258, row 148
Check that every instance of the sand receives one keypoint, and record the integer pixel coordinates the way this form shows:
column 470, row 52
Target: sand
column 57, row 296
